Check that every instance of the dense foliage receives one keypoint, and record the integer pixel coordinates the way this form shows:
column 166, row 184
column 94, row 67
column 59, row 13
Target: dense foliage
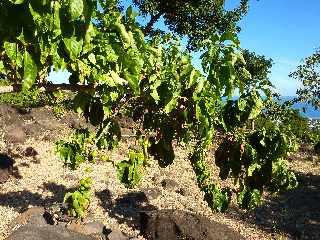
column 152, row 81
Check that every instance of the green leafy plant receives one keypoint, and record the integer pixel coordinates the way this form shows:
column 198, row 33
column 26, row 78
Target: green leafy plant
column 130, row 171
column 78, row 202
column 117, row 72
column 76, row 151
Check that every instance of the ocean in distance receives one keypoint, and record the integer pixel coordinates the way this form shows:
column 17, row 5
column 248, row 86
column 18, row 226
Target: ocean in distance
column 310, row 112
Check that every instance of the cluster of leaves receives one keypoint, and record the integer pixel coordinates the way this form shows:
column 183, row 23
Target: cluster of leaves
column 78, row 202
column 152, row 81
column 217, row 198
column 255, row 161
column 253, row 158
column 130, row 171
column 78, row 149
column 315, row 138
column 289, row 120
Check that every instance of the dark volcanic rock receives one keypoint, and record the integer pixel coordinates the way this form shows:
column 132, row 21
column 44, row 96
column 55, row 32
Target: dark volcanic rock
column 47, row 232
column 132, row 199
column 30, row 152
column 35, row 224
column 91, row 228
column 15, row 134
column 6, row 167
column 33, row 216
column 174, row 224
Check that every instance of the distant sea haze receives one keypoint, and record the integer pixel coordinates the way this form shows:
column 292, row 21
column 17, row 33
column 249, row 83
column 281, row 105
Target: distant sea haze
column 310, row 112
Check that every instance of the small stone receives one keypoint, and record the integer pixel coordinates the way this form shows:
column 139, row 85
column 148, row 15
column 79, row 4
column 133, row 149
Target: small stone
column 169, row 184
column 30, row 152
column 182, row 191
column 152, row 193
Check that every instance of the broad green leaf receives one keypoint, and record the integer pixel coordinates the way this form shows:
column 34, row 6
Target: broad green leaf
column 73, row 46
column 13, row 53
column 256, row 108
column 56, row 19
column 154, row 94
column 75, row 9
column 229, row 36
column 121, row 29
column 90, row 34
column 172, row 104
column 193, row 78
column 81, row 102
column 17, row 1
column 242, row 103
column 114, row 96
column 30, row 71
column 2, row 67
column 131, row 14
column 133, row 82
column 117, row 79
column 106, row 79
column 37, row 18
column 92, row 58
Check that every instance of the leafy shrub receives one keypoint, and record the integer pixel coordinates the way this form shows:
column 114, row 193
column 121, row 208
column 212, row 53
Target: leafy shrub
column 130, row 171
column 25, row 99
column 78, row 202
column 76, row 151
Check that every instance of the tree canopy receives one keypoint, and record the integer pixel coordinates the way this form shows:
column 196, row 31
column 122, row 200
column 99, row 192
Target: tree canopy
column 197, row 19
column 308, row 73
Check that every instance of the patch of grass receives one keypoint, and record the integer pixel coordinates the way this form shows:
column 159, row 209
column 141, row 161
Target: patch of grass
column 33, row 98
column 28, row 99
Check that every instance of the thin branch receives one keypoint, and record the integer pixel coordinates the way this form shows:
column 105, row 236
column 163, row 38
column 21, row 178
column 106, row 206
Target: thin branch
column 46, row 87
column 153, row 20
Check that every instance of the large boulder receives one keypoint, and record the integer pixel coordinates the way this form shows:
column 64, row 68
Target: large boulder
column 47, row 232
column 174, row 224
column 34, row 224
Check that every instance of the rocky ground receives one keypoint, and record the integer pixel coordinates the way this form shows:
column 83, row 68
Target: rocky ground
column 167, row 201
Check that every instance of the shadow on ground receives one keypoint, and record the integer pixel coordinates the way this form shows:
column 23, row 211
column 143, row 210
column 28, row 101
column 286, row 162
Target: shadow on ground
column 127, row 208
column 20, row 200
column 295, row 213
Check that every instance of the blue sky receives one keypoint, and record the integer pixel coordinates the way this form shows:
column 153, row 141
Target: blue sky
column 285, row 30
